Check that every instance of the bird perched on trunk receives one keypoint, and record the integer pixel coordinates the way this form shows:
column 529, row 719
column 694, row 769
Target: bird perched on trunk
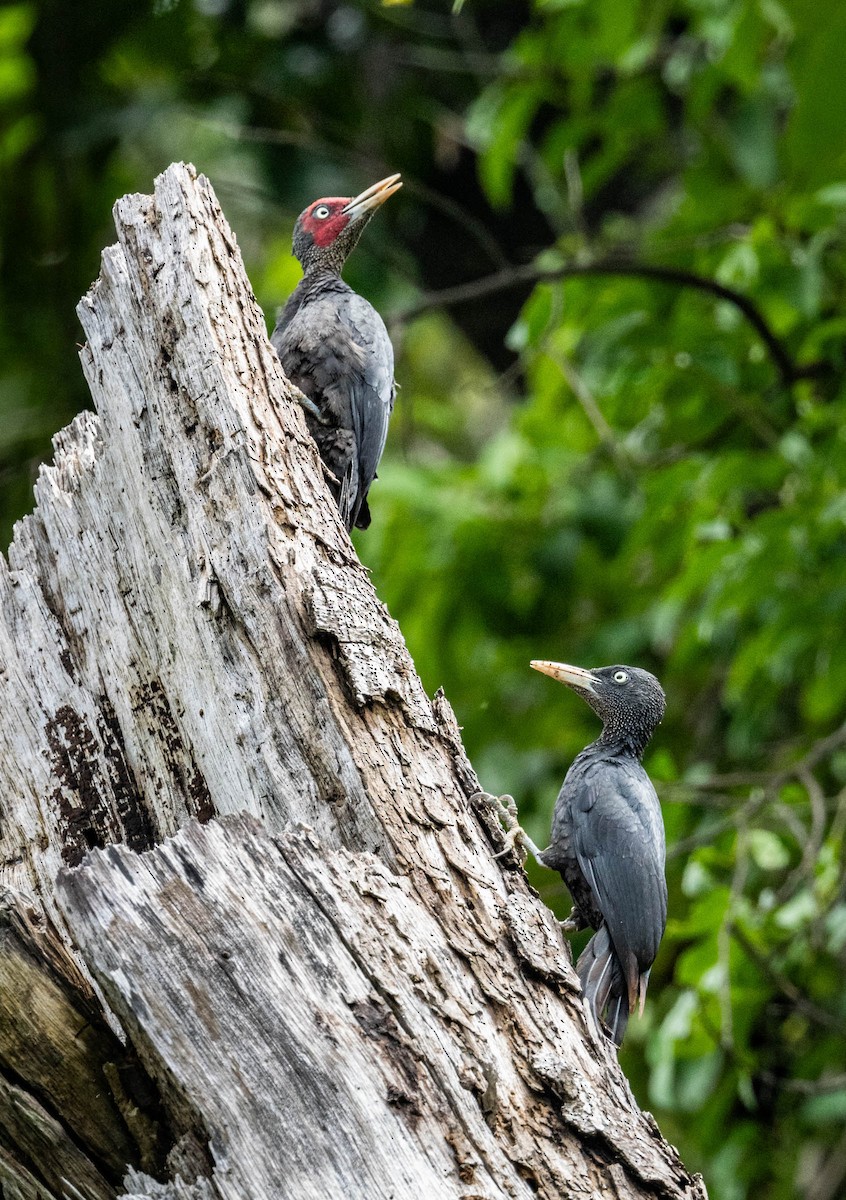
column 608, row 840
column 335, row 348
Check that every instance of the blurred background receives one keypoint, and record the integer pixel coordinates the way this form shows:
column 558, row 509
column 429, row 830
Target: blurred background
column 639, row 459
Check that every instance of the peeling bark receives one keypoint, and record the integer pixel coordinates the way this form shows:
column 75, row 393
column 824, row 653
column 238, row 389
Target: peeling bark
column 236, row 834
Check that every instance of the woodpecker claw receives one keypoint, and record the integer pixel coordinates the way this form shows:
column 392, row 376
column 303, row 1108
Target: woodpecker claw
column 305, row 402
column 329, row 476
column 517, row 841
column 574, row 923
column 513, row 844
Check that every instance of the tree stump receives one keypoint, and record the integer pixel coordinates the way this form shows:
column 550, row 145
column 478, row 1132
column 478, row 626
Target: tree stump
column 254, row 941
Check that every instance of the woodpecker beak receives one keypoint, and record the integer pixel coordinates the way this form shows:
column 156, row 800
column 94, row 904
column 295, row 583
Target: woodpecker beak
column 371, row 198
column 574, row 677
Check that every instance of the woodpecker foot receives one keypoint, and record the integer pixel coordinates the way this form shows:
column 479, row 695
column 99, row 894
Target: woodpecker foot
column 574, row 923
column 517, row 841
column 309, row 406
column 329, row 476
column 514, row 844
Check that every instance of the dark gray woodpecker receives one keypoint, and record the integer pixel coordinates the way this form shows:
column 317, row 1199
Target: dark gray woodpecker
column 608, row 840
column 335, row 348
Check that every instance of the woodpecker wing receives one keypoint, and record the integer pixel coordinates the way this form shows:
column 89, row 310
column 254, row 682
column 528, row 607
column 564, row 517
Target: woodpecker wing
column 372, row 391
column 618, row 838
column 334, row 346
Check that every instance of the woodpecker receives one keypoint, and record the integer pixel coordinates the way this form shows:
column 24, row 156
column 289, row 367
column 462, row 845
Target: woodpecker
column 335, row 348
column 608, row 840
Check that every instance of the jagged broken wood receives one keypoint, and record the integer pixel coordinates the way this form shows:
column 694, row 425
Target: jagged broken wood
column 248, row 904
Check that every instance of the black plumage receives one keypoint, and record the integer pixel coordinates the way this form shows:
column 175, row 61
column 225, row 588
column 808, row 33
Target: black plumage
column 608, row 840
column 335, row 348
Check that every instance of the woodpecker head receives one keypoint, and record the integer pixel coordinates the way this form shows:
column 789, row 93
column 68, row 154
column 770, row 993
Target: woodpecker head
column 629, row 701
column 328, row 229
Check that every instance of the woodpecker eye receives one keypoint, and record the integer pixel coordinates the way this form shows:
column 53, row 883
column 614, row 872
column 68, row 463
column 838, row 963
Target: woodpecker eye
column 321, row 212
column 620, row 677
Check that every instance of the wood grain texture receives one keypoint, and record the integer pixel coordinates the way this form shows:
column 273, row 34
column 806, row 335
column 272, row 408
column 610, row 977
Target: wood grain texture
column 62, row 1062
column 375, row 1007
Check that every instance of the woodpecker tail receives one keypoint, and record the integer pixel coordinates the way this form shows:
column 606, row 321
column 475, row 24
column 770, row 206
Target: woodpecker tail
column 605, row 986
column 362, row 517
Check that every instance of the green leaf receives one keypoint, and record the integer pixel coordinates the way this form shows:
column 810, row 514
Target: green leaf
column 767, row 850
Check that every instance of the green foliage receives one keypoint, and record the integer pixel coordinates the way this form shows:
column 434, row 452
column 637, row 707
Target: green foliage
column 661, row 496
column 651, row 481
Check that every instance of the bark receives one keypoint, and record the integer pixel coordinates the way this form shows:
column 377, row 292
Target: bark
column 254, row 939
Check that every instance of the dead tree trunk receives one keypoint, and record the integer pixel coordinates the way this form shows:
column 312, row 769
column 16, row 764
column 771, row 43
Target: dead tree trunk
column 253, row 941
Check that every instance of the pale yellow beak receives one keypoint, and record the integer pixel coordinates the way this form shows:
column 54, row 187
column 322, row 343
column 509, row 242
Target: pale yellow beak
column 575, row 677
column 372, row 197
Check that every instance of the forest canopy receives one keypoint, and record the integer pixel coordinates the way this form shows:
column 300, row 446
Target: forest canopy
column 615, row 284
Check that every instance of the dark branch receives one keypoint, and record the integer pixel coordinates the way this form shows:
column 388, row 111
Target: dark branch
column 807, row 1087
column 514, row 277
column 798, row 999
column 812, row 757
column 767, row 785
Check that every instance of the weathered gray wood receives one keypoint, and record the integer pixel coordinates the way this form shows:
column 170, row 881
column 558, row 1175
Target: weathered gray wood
column 65, row 1078
column 186, row 632
column 346, row 1037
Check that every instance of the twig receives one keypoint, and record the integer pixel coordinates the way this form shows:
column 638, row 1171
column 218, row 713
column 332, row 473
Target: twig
column 692, row 793
column 801, row 1002
column 806, row 1087
column 591, row 409
column 334, row 151
column 814, row 840
column 738, row 882
column 775, row 779
column 748, row 810
column 828, row 1181
column 745, row 1062
column 575, row 191
column 819, row 751
column 787, row 820
column 766, row 783
column 514, row 277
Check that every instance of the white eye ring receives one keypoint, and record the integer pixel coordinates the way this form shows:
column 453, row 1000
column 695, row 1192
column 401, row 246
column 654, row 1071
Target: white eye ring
column 321, row 212
column 620, row 677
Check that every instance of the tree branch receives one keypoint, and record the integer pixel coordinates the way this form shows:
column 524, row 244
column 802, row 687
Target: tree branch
column 814, row 755
column 766, row 785
column 797, row 998
column 514, row 277
column 806, row 1087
